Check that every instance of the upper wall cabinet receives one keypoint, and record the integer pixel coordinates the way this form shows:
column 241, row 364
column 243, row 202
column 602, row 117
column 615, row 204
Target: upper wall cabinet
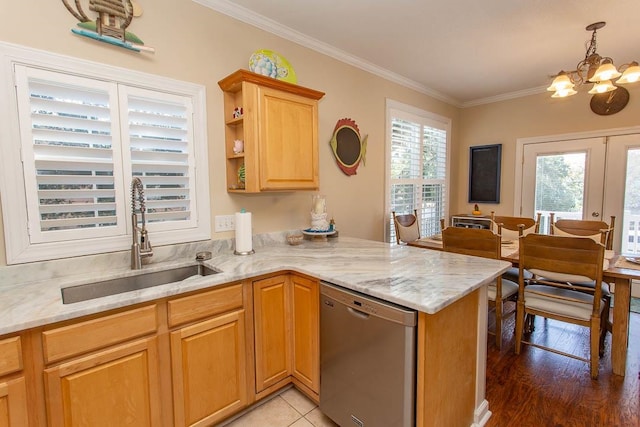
column 271, row 134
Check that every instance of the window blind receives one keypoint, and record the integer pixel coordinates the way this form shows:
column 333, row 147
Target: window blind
column 87, row 139
column 418, row 159
column 69, row 163
column 160, row 143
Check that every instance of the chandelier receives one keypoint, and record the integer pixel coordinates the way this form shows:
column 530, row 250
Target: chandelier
column 595, row 69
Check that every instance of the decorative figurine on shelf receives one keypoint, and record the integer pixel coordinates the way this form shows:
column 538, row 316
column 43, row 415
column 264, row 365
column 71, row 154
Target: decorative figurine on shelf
column 238, row 146
column 476, row 210
column 241, row 177
column 319, row 214
column 238, row 112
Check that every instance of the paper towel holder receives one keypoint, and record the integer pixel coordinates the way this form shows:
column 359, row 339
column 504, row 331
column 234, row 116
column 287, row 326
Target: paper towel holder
column 246, row 246
column 244, row 253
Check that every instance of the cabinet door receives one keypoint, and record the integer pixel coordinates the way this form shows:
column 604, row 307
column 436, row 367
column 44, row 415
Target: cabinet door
column 306, row 348
column 272, row 314
column 115, row 387
column 288, row 141
column 13, row 403
column 209, row 370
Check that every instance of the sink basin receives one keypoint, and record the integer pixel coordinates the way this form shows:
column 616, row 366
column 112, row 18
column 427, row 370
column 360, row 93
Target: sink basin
column 125, row 284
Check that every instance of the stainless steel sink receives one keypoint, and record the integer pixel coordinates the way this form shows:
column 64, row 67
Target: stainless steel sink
column 125, row 284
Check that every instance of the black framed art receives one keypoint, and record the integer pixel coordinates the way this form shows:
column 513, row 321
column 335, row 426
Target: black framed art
column 484, row 173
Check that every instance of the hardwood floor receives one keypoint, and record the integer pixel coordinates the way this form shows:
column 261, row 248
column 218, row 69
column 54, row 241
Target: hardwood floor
column 542, row 389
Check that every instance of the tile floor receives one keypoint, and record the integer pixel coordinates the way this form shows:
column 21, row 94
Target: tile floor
column 289, row 408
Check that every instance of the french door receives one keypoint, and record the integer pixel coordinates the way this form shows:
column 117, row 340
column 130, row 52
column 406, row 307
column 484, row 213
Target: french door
column 589, row 178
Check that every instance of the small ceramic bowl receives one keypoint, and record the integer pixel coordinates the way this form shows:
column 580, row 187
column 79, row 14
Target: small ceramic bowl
column 295, row 239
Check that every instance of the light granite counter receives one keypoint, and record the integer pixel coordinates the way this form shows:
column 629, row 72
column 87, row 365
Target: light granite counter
column 425, row 280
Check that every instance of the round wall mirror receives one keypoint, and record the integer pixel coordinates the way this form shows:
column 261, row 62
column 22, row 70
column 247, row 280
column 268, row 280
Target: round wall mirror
column 347, row 145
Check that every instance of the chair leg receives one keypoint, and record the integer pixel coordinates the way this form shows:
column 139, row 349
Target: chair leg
column 499, row 324
column 519, row 324
column 607, row 312
column 594, row 359
column 604, row 320
column 528, row 323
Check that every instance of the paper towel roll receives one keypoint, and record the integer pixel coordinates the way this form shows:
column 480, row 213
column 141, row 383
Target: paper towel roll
column 244, row 242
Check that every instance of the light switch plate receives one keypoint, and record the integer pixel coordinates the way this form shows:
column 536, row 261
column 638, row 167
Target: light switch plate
column 225, row 223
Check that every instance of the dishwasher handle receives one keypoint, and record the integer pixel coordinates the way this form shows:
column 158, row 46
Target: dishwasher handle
column 358, row 313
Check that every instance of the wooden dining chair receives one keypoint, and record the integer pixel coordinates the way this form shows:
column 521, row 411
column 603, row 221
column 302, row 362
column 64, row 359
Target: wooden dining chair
column 515, row 226
column 584, row 228
column 598, row 231
column 512, row 228
column 483, row 243
column 551, row 259
column 407, row 227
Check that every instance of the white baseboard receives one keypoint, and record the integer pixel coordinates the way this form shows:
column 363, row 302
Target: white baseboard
column 481, row 415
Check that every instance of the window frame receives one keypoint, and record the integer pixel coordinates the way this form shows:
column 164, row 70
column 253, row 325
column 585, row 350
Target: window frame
column 395, row 109
column 18, row 247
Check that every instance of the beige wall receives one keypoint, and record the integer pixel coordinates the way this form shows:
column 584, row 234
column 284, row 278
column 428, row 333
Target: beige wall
column 531, row 116
column 196, row 44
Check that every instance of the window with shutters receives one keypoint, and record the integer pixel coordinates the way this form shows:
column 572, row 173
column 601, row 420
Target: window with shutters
column 417, row 166
column 81, row 137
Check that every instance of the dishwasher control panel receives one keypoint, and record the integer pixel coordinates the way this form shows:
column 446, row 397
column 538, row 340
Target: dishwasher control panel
column 367, row 304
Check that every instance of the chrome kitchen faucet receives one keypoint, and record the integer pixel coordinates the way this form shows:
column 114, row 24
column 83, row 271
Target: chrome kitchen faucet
column 141, row 245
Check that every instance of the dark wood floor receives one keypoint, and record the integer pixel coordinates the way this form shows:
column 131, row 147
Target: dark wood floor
column 542, row 389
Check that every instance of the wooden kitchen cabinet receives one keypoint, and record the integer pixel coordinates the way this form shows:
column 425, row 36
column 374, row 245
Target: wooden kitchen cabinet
column 306, row 332
column 272, row 326
column 286, row 324
column 102, row 373
column 13, row 391
column 209, row 357
column 279, row 128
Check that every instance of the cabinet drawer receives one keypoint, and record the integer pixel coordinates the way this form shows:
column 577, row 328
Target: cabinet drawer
column 97, row 333
column 205, row 304
column 10, row 355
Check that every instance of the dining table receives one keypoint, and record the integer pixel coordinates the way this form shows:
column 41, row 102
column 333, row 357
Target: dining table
column 619, row 271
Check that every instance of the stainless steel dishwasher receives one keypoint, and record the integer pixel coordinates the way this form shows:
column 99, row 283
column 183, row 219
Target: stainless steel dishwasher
column 367, row 360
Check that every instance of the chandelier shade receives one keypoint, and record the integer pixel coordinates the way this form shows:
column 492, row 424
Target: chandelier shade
column 594, row 69
column 607, row 71
column 603, row 86
column 631, row 74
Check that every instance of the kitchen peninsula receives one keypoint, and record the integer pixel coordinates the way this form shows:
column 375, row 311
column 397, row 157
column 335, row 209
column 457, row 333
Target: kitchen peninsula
column 447, row 290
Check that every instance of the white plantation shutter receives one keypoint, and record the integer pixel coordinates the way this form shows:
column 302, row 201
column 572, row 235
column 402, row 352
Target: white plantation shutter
column 69, row 158
column 76, row 134
column 160, row 138
column 417, row 169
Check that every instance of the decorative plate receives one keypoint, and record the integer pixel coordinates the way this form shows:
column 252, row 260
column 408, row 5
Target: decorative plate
column 311, row 232
column 633, row 260
column 271, row 64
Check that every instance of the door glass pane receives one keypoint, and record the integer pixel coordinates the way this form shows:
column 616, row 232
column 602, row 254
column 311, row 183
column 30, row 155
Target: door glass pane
column 631, row 216
column 560, row 186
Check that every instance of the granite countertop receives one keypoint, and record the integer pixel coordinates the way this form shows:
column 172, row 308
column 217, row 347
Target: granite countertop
column 421, row 279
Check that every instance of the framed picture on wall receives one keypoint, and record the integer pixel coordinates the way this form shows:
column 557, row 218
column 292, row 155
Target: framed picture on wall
column 484, row 173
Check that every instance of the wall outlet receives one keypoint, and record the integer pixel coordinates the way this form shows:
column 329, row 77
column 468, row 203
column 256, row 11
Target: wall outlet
column 225, row 223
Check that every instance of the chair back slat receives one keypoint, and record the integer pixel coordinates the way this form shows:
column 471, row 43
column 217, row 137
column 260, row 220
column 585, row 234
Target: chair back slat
column 515, row 226
column 471, row 241
column 407, row 227
column 584, row 228
column 565, row 255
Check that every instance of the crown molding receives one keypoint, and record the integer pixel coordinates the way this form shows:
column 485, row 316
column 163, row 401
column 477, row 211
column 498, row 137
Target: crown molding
column 247, row 16
column 504, row 97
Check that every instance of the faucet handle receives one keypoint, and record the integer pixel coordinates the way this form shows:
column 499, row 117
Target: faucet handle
column 203, row 256
column 145, row 243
